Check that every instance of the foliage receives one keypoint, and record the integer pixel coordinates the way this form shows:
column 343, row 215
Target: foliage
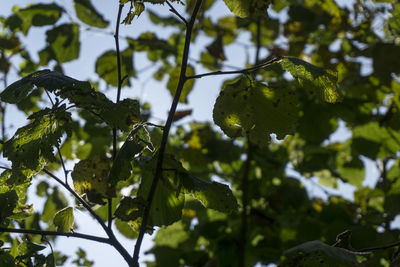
column 233, row 192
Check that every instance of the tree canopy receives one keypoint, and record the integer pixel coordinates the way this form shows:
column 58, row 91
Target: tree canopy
column 232, row 191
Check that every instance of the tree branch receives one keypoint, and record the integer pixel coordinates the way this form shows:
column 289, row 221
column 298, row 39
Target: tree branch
column 242, row 71
column 173, row 10
column 54, row 233
column 113, row 240
column 167, row 127
column 114, row 130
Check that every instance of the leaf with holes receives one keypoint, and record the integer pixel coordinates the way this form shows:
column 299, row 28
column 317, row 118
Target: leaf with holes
column 249, row 107
column 32, row 145
column 318, row 82
column 90, row 177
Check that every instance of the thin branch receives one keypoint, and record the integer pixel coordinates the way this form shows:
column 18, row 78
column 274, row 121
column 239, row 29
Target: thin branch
column 114, row 130
column 5, row 168
column 118, row 51
column 113, row 240
column 371, row 249
column 54, row 233
column 164, row 140
column 3, row 113
column 173, row 10
column 62, row 164
column 242, row 71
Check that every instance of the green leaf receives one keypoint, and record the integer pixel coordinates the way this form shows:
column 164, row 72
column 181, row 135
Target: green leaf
column 167, row 204
column 107, row 68
column 318, row 82
column 138, row 9
column 246, row 106
column 130, row 209
column 86, row 12
column 64, row 42
column 134, row 144
column 35, row 15
column 173, row 81
column 17, row 91
column 28, row 248
column 314, row 253
column 90, row 176
column 64, row 219
column 32, row 145
column 212, row 195
column 247, row 8
column 8, row 201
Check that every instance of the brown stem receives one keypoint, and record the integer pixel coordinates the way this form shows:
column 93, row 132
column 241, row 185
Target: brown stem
column 167, row 127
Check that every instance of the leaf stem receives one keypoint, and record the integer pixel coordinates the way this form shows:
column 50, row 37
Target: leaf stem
column 242, row 71
column 113, row 240
column 167, row 127
column 54, row 233
column 173, row 10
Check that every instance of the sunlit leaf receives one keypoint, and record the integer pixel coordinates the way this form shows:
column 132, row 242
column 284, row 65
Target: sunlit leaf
column 318, row 82
column 174, row 80
column 250, row 107
column 87, row 13
column 107, row 69
column 64, row 42
column 91, row 178
column 28, row 248
column 32, row 145
column 64, row 219
column 247, row 8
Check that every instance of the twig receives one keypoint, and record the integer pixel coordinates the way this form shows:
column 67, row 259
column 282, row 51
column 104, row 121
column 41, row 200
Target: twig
column 54, row 233
column 114, row 130
column 62, row 163
column 242, row 71
column 113, row 240
column 5, row 168
column 371, row 249
column 167, row 127
column 173, row 10
column 3, row 109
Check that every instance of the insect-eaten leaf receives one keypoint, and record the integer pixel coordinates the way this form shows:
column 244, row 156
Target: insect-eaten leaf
column 247, row 107
column 135, row 10
column 90, row 177
column 120, row 115
column 318, row 82
column 8, row 202
column 64, row 220
column 32, row 145
column 86, row 12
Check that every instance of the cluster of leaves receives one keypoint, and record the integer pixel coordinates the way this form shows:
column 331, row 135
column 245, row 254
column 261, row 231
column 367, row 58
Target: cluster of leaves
column 264, row 211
